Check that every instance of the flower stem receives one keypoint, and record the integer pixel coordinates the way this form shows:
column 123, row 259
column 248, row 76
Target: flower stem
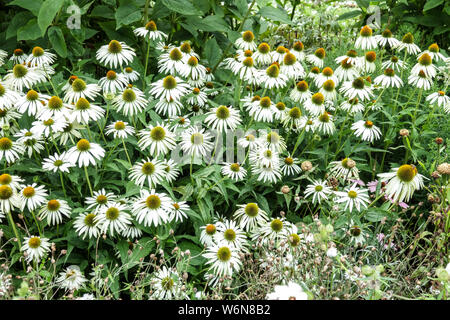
column 62, row 184
column 89, row 183
column 126, row 151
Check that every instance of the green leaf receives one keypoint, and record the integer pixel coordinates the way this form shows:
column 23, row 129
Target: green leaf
column 19, row 20
column 32, row 6
column 350, row 14
column 432, row 4
column 127, row 14
column 47, row 13
column 275, row 14
column 30, row 31
column 363, row 3
column 184, row 7
column 56, row 37
column 212, row 51
column 209, row 23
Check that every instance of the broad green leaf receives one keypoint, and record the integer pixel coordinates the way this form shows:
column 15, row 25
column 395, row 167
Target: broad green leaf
column 184, row 7
column 275, row 14
column 212, row 52
column 31, row 5
column 350, row 14
column 30, row 31
column 56, row 37
column 432, row 4
column 127, row 14
column 19, row 20
column 47, row 13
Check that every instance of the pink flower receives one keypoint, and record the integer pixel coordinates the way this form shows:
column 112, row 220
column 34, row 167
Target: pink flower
column 358, row 182
column 372, row 185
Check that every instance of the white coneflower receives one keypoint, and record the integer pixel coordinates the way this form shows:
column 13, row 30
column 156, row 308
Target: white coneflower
column 193, row 69
column 8, row 115
column 246, row 71
column 319, row 190
column 402, row 182
column 14, row 182
column 351, row 57
column 10, row 150
column 54, row 108
column 313, row 73
column 291, row 67
column 8, row 97
column 425, row 64
column 179, row 211
column 273, row 141
column 18, row 56
column 328, row 90
column 250, row 216
column 249, row 141
column 171, row 170
column 187, row 51
column 246, row 42
column 131, row 101
column 158, row 138
column 39, row 57
column 197, row 97
column 166, row 285
column 273, row 78
column 207, row 234
column 367, row 63
column 273, row 230
column 293, row 118
column 85, row 153
column 421, row 80
column 223, row 118
column 324, row 123
column 57, row 163
column 32, row 196
column 386, row 38
column 262, row 55
column 290, row 166
column 408, row 44
column 35, row 248
column 130, row 74
column 71, row 279
column 23, row 77
column 291, row 291
column 32, row 102
column 262, row 110
column 152, row 208
column 9, row 199
column 264, row 156
column 433, row 51
column 119, row 129
column 326, row 74
column 115, row 54
column 366, row 130
column 389, row 79
column 347, row 71
column 30, row 141
column 223, row 259
column 267, row 173
column 366, row 41
column 87, row 225
column 234, row 171
column 278, row 54
column 150, row 32
column 47, row 127
column 301, row 92
column 357, row 89
column 169, row 107
column 316, row 59
column 346, row 169
column 352, row 106
column 112, row 82
column 54, row 211
column 131, row 232
column 394, row 63
column 171, row 62
column 169, row 88
column 70, row 132
column 438, row 98
column 230, row 234
column 298, row 50
column 84, row 111
column 80, row 89
column 196, row 142
column 150, row 171
column 113, row 218
column 100, row 200
column 316, row 104
column 353, row 197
